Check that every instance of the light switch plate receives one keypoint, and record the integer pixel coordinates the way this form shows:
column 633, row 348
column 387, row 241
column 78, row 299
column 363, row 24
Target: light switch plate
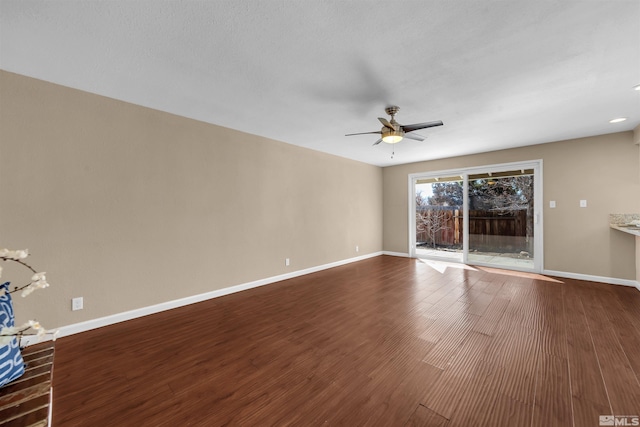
column 583, row 203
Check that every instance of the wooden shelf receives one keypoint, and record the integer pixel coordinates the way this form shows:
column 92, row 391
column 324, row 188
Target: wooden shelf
column 27, row 400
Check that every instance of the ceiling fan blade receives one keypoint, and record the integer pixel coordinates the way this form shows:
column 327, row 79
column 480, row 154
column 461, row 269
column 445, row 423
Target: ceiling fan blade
column 386, row 123
column 411, row 128
column 378, row 142
column 414, row 136
column 363, row 133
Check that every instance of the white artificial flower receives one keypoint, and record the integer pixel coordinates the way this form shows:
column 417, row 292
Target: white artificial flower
column 9, row 330
column 26, row 291
column 40, row 331
column 15, row 255
column 38, row 276
column 21, row 254
column 33, row 324
column 38, row 281
column 32, row 287
column 8, row 333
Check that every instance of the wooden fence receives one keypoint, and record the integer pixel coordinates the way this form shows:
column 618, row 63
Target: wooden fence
column 446, row 225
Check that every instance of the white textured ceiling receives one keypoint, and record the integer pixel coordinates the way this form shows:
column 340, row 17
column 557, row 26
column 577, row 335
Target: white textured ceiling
column 499, row 74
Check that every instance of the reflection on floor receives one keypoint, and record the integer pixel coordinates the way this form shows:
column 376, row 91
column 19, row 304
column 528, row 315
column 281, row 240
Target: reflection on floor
column 491, row 258
column 439, row 253
column 501, row 260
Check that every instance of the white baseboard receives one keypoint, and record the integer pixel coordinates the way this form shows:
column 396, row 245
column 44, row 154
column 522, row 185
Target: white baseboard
column 590, row 278
column 587, row 277
column 401, row 254
column 144, row 311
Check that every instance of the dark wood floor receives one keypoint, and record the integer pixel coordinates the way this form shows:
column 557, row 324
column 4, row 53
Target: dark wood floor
column 383, row 342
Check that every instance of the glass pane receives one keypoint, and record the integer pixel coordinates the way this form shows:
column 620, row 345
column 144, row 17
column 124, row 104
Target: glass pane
column 439, row 221
column 501, row 218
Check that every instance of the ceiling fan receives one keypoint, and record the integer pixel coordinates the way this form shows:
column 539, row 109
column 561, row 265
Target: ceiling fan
column 393, row 132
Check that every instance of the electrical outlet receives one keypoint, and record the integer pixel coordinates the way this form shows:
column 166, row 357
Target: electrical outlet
column 583, row 203
column 77, row 304
column 357, row 249
column 552, row 204
column 286, row 262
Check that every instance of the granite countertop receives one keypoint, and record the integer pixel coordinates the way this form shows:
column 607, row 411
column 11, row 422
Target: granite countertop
column 631, row 230
column 621, row 222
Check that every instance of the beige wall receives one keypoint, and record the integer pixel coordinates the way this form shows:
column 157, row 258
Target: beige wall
column 604, row 170
column 130, row 207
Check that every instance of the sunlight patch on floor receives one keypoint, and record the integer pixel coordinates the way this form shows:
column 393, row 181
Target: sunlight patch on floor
column 535, row 276
column 441, row 266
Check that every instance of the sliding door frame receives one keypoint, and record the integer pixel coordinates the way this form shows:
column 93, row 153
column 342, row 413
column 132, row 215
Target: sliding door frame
column 536, row 165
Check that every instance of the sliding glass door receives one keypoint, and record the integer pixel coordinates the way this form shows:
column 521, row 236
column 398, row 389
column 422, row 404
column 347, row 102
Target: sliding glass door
column 482, row 215
column 501, row 218
column 439, row 219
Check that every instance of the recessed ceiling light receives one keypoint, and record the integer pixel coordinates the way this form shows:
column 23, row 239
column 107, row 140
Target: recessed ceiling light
column 637, row 87
column 618, row 120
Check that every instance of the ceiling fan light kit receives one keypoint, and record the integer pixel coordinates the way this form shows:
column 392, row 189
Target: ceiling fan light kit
column 393, row 132
column 392, row 137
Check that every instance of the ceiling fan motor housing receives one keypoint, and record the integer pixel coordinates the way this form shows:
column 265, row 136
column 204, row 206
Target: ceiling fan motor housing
column 395, row 135
column 392, row 110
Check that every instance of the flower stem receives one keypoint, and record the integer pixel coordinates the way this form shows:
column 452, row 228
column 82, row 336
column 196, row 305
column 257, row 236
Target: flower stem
column 16, row 289
column 19, row 262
